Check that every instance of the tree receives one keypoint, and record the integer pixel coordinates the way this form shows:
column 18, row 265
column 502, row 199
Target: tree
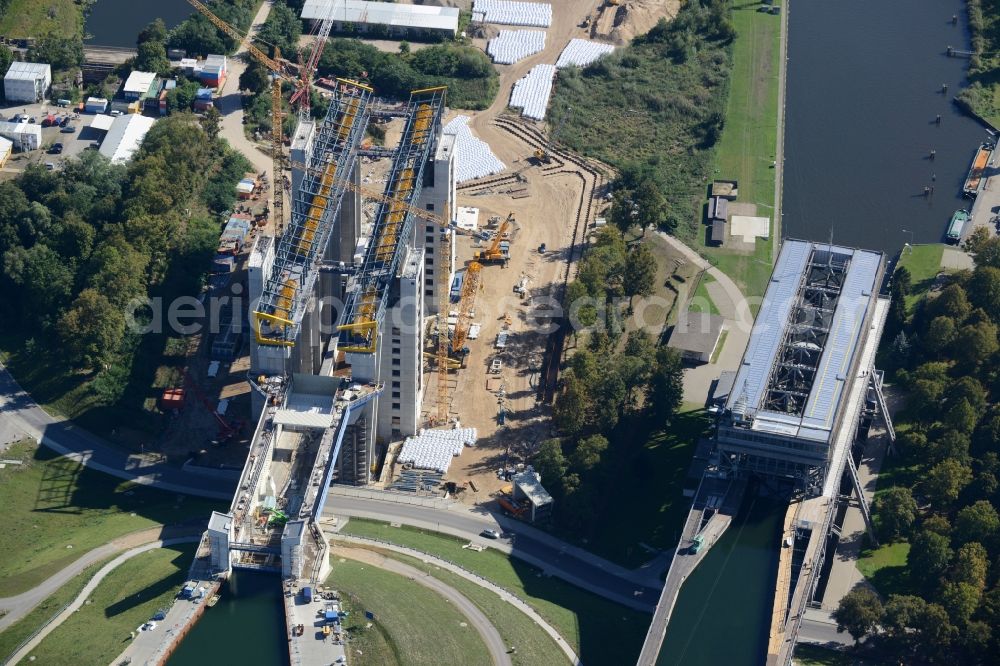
column 975, row 343
column 639, row 273
column 6, row 57
column 928, row 558
column 944, row 482
column 902, row 614
column 588, row 453
column 666, row 385
column 902, row 281
column 859, row 612
column 572, row 407
column 935, row 632
column 45, row 279
column 155, row 31
column 984, row 290
column 951, row 302
column 152, row 57
column 977, row 522
column 651, row 206
column 623, row 212
column 952, row 444
column 971, row 565
column 59, row 52
column 940, row 333
column 92, row 330
column 895, row 512
column 550, row 464
column 960, row 600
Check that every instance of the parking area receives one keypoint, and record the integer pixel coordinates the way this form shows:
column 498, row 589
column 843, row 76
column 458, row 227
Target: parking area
column 75, row 137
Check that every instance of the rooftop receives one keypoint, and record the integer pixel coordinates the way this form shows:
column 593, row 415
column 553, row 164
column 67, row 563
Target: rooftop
column 28, row 71
column 403, row 16
column 102, row 122
column 139, row 82
column 529, row 484
column 696, row 333
column 805, row 338
column 125, row 137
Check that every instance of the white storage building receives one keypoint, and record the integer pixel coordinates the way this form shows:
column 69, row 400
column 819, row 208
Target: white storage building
column 125, row 137
column 138, row 85
column 400, row 20
column 27, row 82
column 24, row 136
column 6, row 148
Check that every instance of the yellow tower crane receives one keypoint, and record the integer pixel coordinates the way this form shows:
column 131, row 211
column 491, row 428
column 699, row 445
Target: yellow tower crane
column 279, row 72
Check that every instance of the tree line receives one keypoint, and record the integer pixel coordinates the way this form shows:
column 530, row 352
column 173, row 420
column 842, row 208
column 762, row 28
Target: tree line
column 79, row 244
column 613, row 383
column 944, row 355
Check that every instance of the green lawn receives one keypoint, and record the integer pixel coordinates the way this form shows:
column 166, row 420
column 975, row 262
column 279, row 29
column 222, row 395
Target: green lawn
column 719, row 347
column 924, row 263
column 426, row 629
column 53, row 503
column 599, row 630
column 11, row 637
column 702, row 300
column 534, row 646
column 129, row 596
column 748, row 144
column 812, row 655
column 885, row 568
column 31, row 18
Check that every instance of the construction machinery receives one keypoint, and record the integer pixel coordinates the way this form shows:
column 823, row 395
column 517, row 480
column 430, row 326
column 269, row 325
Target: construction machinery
column 498, row 252
column 466, row 307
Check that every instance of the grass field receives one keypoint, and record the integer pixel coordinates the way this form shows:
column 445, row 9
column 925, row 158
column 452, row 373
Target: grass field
column 11, row 637
column 748, row 144
column 52, row 503
column 129, row 596
column 702, row 301
column 885, row 568
column 31, row 18
column 812, row 655
column 599, row 630
column 924, row 263
column 426, row 629
column 534, row 647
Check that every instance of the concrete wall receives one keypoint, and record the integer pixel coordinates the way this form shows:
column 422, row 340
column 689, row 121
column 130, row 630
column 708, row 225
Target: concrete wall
column 437, row 196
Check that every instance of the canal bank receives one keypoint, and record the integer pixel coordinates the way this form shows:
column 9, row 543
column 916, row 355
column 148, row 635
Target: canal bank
column 119, row 22
column 865, row 84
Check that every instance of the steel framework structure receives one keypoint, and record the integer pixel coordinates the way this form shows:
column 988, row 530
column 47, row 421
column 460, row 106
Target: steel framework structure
column 315, row 206
column 366, row 301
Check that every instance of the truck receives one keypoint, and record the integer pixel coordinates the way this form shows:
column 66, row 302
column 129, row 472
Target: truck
column 307, row 594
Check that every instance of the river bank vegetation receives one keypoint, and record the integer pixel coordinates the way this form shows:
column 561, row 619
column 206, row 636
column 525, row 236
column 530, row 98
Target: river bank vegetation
column 982, row 96
column 939, row 600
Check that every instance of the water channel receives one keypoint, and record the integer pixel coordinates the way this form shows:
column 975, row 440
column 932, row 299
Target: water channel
column 247, row 626
column 118, row 22
column 864, row 87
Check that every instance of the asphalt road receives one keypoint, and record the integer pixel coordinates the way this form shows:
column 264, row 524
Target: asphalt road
column 20, row 414
column 547, row 553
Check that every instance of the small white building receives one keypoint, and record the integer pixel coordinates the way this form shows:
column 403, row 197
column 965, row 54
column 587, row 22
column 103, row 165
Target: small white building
column 24, row 136
column 6, row 148
column 138, row 84
column 397, row 19
column 125, row 137
column 27, row 82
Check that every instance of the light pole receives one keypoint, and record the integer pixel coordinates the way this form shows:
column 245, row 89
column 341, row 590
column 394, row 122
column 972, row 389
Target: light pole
column 909, row 246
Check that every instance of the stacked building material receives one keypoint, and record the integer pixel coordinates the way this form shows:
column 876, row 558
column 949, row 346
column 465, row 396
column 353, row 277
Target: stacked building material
column 509, row 12
column 473, row 157
column 435, row 449
column 581, row 53
column 513, row 45
column 531, row 93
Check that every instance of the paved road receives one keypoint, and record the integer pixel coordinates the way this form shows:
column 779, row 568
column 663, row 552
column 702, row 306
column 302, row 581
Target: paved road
column 529, row 544
column 89, row 589
column 514, row 601
column 819, row 628
column 494, row 643
column 19, row 413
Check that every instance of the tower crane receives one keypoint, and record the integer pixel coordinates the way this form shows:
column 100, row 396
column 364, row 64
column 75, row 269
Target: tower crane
column 304, row 92
column 279, row 73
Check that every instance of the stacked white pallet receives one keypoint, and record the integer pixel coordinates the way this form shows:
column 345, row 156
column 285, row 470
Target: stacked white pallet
column 513, row 45
column 508, row 12
column 531, row 93
column 581, row 53
column 435, row 449
column 473, row 157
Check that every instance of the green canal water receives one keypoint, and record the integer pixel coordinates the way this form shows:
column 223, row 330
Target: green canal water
column 247, row 626
column 723, row 612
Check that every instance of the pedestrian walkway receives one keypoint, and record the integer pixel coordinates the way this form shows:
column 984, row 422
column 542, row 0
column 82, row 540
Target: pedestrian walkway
column 88, row 589
column 478, row 580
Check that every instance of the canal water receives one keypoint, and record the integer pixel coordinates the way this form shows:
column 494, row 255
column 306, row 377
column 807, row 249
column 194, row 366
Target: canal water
column 723, row 612
column 118, row 22
column 247, row 626
column 864, row 87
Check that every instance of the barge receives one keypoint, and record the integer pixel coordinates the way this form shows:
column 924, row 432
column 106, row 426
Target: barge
column 957, row 225
column 974, row 181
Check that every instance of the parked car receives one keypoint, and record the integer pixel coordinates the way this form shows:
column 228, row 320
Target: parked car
column 32, row 120
column 490, row 534
column 56, row 148
column 64, row 121
column 50, row 165
column 68, row 129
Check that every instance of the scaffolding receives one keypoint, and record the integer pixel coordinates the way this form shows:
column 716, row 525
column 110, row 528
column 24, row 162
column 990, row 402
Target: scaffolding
column 368, row 291
column 315, row 206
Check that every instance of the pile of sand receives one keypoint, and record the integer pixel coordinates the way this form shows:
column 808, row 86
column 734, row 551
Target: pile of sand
column 641, row 15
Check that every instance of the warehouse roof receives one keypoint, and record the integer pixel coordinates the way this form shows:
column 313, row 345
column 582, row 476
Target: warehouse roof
column 6, row 145
column 125, row 137
column 784, row 323
column 139, row 82
column 28, row 71
column 696, row 334
column 529, row 484
column 20, row 128
column 384, row 13
column 102, row 122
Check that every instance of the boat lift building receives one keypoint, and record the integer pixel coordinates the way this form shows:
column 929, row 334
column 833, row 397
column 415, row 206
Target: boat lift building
column 788, row 402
